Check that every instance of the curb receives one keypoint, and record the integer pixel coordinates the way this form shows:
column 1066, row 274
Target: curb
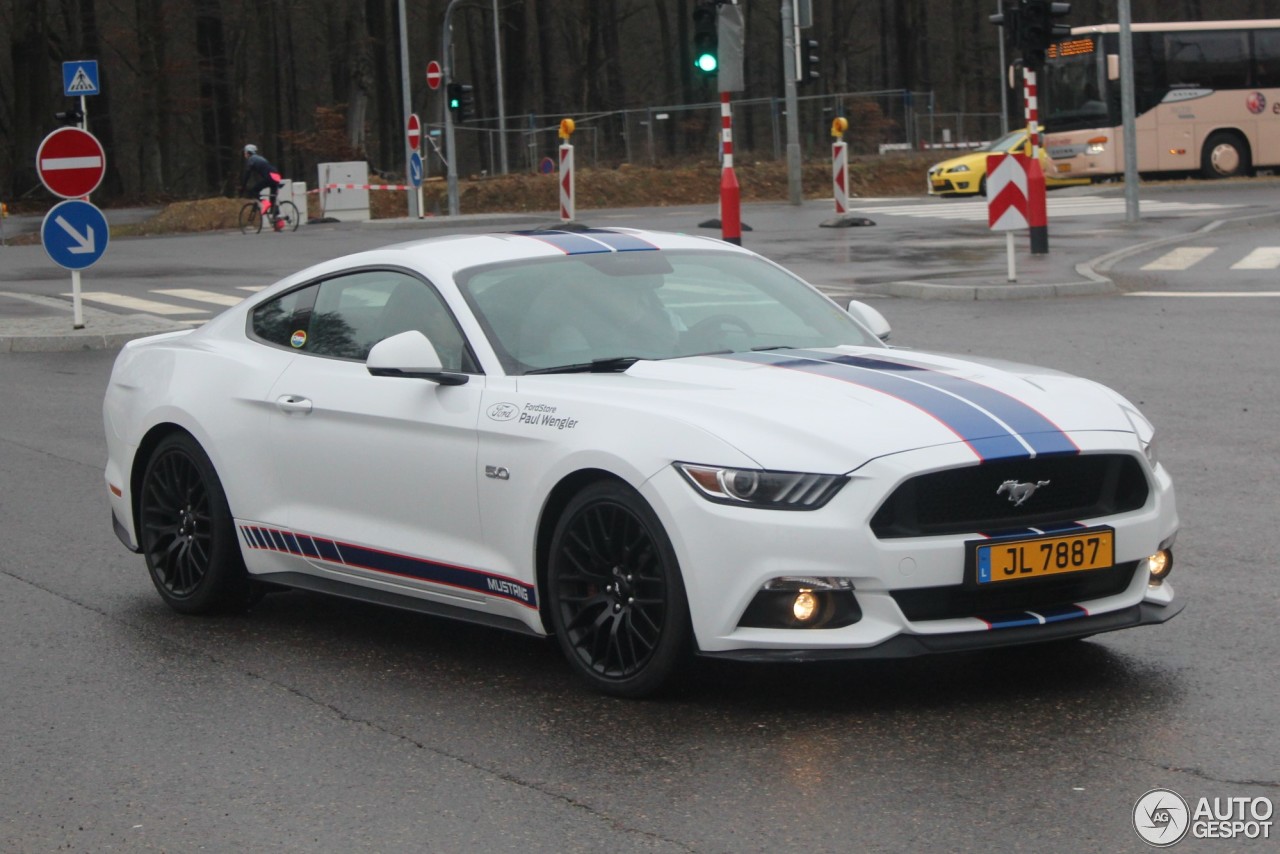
column 53, row 332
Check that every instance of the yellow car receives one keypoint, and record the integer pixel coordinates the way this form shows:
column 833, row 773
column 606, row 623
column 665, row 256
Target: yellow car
column 967, row 174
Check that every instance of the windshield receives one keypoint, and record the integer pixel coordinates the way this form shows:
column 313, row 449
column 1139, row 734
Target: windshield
column 1073, row 90
column 1008, row 142
column 611, row 308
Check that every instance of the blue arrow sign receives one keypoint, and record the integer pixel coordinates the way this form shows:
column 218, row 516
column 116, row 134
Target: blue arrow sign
column 74, row 234
column 80, row 77
column 415, row 169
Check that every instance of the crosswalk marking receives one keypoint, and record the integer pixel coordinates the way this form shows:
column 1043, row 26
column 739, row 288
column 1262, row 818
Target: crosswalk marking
column 197, row 295
column 1262, row 258
column 976, row 210
column 1181, row 258
column 147, row 306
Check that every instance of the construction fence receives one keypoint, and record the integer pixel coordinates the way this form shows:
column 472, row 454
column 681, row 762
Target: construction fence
column 880, row 121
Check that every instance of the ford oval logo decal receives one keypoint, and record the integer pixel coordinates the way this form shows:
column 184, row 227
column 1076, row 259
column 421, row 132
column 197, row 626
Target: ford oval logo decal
column 503, row 411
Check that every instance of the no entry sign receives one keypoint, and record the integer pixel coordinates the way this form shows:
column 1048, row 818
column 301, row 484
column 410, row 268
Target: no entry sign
column 434, row 75
column 71, row 162
column 414, row 131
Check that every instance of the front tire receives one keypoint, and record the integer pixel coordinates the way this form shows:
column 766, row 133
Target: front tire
column 250, row 218
column 187, row 534
column 616, row 599
column 1225, row 155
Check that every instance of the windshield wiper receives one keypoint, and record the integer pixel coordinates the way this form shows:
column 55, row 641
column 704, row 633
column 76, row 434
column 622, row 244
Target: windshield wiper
column 611, row 365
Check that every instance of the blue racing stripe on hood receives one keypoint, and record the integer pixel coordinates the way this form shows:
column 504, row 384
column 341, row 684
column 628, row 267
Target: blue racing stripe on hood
column 983, row 434
column 1039, row 432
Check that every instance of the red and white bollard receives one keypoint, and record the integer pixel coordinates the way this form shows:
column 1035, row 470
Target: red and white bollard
column 840, row 165
column 567, row 189
column 730, row 193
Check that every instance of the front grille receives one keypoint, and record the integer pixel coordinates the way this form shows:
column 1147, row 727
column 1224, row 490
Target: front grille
column 942, row 603
column 966, row 500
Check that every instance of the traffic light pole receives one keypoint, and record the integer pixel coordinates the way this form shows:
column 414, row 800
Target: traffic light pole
column 446, row 54
column 795, row 194
column 407, row 103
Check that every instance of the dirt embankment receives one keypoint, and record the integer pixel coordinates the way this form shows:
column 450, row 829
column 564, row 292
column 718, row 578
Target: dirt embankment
column 626, row 186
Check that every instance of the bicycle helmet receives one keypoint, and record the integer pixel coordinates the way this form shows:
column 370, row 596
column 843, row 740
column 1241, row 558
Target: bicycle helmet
column 251, row 149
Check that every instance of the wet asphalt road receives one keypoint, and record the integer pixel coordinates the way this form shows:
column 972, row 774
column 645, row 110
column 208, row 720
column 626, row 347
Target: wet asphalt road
column 313, row 724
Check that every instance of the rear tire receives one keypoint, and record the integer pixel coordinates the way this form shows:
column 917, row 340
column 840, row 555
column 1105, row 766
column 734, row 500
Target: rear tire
column 1225, row 155
column 250, row 218
column 187, row 534
column 614, row 592
column 289, row 216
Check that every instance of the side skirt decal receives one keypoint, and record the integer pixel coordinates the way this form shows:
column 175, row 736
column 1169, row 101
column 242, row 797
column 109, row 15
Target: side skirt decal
column 388, row 563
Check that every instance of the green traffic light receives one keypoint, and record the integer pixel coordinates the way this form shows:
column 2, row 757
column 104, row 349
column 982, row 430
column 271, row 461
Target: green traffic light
column 706, row 63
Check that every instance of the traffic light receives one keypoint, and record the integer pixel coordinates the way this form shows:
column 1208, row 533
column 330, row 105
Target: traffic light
column 70, row 117
column 1008, row 19
column 808, row 68
column 1038, row 28
column 705, row 37
column 462, row 102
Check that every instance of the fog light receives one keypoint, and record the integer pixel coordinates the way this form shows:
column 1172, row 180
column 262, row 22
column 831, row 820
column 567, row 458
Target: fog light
column 805, row 606
column 1160, row 564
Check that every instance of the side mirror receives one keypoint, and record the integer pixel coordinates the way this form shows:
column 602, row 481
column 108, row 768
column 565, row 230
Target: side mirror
column 411, row 355
column 870, row 318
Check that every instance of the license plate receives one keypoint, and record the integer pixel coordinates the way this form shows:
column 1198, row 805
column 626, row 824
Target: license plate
column 1063, row 168
column 1037, row 557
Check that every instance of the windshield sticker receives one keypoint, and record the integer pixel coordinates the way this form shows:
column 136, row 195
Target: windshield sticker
column 299, row 339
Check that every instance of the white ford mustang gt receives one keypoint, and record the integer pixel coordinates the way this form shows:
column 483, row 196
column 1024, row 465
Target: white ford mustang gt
column 647, row 445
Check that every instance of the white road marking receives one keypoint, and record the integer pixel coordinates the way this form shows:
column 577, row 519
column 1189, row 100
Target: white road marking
column 137, row 304
column 196, row 295
column 1262, row 258
column 1181, row 258
column 1205, row 294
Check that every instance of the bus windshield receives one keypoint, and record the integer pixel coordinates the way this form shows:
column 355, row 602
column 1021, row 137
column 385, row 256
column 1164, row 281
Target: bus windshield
column 1074, row 87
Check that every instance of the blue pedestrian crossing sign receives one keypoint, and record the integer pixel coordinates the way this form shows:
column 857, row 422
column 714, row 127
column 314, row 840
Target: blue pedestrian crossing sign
column 80, row 77
column 415, row 169
column 74, row 234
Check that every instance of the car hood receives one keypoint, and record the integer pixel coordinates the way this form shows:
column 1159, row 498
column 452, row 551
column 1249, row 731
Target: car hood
column 974, row 160
column 836, row 409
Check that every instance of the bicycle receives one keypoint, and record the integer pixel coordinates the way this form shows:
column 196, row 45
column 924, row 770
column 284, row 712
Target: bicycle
column 254, row 212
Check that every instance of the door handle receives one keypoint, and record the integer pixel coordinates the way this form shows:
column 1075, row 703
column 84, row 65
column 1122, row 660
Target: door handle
column 293, row 403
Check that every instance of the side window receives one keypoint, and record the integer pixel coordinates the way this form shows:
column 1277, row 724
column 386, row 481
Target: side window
column 1266, row 49
column 284, row 320
column 1208, row 60
column 354, row 312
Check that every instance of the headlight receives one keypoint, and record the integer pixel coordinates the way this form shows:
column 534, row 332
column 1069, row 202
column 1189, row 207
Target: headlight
column 777, row 490
column 960, row 168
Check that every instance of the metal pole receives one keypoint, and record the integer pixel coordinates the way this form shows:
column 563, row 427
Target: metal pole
column 407, row 103
column 502, row 110
column 1004, row 79
column 1128, row 115
column 795, row 193
column 446, row 59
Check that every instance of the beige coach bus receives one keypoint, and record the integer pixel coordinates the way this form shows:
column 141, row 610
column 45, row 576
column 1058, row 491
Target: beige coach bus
column 1207, row 95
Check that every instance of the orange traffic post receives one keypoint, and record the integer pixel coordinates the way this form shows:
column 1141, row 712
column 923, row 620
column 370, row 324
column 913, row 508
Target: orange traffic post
column 567, row 188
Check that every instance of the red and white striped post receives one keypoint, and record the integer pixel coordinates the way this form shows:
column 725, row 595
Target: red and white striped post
column 1037, row 208
column 730, row 193
column 840, row 164
column 567, row 188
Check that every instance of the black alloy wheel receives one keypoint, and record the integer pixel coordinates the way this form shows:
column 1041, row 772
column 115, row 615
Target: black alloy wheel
column 186, row 531
column 616, row 599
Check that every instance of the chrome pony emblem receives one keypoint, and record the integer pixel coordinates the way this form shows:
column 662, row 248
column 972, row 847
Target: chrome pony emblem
column 1020, row 492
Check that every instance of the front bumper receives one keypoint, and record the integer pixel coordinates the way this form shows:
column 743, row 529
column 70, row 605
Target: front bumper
column 728, row 554
column 910, row 646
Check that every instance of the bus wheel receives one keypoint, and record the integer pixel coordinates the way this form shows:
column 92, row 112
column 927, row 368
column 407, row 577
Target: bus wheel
column 1225, row 156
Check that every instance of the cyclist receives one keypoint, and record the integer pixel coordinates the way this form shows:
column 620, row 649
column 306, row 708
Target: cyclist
column 258, row 173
